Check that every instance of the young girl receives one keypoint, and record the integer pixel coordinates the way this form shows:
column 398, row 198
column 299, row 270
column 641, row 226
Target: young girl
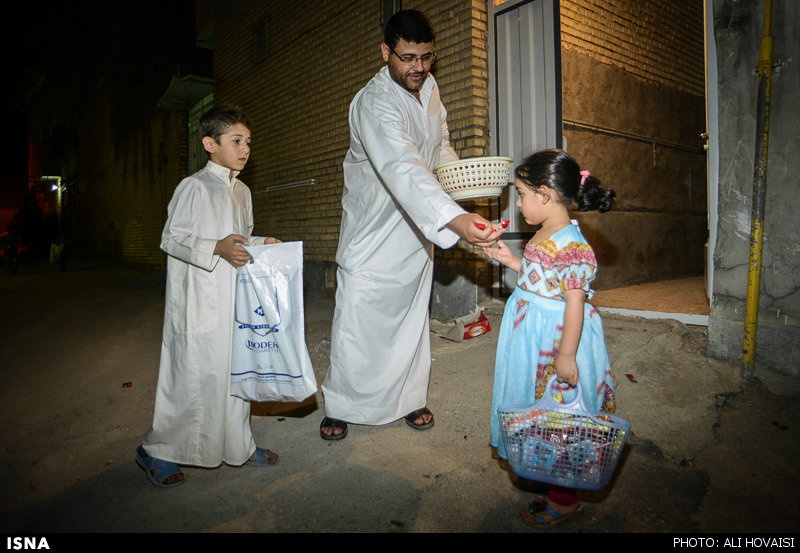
column 547, row 325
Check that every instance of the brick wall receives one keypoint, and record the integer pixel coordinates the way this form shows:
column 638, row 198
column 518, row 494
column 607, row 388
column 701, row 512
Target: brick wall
column 659, row 41
column 298, row 95
column 295, row 66
column 126, row 183
column 633, row 112
column 320, row 54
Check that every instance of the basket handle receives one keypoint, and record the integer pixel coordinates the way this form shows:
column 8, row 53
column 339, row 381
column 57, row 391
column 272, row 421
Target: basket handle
column 547, row 402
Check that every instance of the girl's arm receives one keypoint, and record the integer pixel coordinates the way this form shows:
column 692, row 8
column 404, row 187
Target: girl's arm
column 504, row 255
column 565, row 363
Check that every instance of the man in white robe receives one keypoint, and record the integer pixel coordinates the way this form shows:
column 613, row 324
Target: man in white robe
column 196, row 420
column 394, row 211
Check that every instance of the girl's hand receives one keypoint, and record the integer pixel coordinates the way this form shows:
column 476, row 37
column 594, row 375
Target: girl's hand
column 271, row 240
column 567, row 370
column 503, row 254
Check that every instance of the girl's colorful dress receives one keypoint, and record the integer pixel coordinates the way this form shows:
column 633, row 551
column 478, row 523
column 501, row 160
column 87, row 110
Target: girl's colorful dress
column 530, row 332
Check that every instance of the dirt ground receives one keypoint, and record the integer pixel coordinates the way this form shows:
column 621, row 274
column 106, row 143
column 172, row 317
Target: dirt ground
column 708, row 452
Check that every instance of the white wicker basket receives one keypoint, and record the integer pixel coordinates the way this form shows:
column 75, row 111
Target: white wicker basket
column 475, row 177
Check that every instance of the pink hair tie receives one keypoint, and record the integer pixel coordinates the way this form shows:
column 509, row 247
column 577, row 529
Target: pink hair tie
column 584, row 176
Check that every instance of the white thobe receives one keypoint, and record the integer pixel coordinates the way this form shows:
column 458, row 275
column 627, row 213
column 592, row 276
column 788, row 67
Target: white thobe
column 196, row 420
column 393, row 211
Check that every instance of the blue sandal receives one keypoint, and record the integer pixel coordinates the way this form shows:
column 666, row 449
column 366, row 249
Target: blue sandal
column 262, row 458
column 159, row 471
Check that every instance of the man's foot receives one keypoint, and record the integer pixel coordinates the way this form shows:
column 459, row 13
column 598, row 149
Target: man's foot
column 164, row 474
column 332, row 429
column 421, row 419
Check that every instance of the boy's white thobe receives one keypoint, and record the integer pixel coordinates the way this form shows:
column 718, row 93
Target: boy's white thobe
column 196, row 420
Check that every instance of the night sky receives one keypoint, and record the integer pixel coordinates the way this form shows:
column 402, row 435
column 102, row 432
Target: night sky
column 58, row 56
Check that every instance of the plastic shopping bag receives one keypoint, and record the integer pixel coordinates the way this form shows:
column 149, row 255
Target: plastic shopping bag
column 270, row 360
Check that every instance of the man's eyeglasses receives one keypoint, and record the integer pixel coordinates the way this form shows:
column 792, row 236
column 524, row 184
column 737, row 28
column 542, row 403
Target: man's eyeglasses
column 410, row 59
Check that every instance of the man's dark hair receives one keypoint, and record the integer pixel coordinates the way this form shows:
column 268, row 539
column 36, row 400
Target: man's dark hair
column 411, row 26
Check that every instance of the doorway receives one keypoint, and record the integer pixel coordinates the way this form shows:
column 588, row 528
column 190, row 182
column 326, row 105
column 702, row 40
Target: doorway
column 525, row 84
column 525, row 97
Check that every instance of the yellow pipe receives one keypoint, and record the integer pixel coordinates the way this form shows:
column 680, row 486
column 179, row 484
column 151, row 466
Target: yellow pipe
column 759, row 193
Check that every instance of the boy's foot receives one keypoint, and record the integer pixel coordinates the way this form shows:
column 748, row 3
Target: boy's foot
column 262, row 458
column 332, row 429
column 164, row 474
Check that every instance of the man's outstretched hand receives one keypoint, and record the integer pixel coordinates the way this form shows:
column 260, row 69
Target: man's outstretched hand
column 475, row 229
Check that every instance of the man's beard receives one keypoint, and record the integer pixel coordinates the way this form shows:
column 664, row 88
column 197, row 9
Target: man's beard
column 405, row 79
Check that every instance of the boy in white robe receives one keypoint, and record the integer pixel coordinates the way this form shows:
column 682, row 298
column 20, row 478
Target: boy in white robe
column 196, row 421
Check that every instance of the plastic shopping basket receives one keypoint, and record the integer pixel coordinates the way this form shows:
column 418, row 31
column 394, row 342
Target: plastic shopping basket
column 562, row 444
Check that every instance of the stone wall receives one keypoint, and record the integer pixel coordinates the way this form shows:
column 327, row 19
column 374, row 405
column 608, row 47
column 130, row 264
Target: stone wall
column 775, row 307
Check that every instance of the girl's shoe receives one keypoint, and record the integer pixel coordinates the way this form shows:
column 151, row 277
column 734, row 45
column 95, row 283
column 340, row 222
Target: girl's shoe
column 540, row 515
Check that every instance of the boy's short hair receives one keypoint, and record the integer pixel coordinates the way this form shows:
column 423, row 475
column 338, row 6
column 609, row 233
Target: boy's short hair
column 411, row 26
column 217, row 121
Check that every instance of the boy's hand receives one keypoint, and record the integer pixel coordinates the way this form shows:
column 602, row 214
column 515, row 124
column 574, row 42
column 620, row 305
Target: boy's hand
column 231, row 250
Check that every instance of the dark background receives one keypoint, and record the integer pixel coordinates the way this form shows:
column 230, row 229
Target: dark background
column 58, row 57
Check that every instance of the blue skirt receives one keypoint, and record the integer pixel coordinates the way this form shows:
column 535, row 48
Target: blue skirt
column 527, row 344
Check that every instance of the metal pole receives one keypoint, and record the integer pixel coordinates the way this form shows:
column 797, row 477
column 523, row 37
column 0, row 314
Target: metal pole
column 759, row 193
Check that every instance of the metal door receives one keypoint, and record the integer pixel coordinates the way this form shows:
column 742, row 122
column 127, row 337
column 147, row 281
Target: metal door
column 525, row 95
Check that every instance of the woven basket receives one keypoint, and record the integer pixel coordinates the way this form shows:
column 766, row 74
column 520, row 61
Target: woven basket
column 562, row 444
column 475, row 177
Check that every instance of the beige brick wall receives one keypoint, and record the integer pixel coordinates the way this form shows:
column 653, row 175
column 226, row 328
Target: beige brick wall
column 299, row 94
column 126, row 184
column 633, row 113
column 659, row 41
column 320, row 53
column 147, row 182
